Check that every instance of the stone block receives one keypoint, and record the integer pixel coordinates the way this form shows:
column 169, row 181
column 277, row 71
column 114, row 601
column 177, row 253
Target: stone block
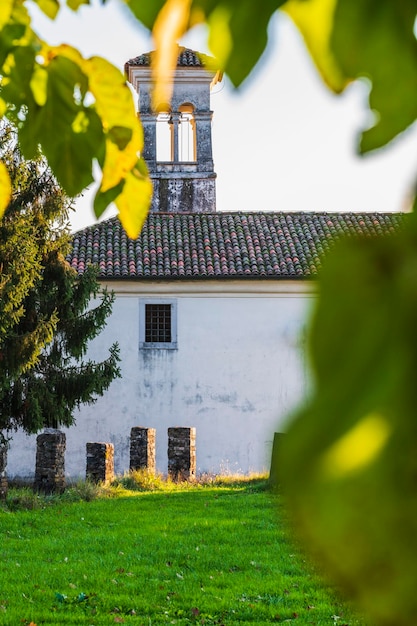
column 274, row 478
column 142, row 449
column 100, row 462
column 50, row 462
column 181, row 453
column 3, row 473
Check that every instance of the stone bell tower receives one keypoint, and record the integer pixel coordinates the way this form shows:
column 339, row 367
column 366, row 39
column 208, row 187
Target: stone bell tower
column 178, row 145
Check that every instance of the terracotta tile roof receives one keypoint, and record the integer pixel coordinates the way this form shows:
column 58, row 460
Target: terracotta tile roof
column 221, row 245
column 186, row 58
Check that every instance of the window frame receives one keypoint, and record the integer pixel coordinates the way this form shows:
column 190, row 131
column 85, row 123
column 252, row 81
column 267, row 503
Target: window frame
column 158, row 345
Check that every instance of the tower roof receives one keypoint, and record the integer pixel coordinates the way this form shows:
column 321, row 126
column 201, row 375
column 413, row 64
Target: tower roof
column 186, row 58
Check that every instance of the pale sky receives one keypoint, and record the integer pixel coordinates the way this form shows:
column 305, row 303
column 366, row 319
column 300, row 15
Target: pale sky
column 282, row 142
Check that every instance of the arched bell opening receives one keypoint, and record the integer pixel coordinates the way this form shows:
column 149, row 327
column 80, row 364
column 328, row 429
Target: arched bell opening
column 187, row 144
column 164, row 137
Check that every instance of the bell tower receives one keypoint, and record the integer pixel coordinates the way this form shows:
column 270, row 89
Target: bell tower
column 177, row 141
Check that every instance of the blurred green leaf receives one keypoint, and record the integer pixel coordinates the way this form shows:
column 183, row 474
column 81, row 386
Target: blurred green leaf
column 349, row 463
column 232, row 25
column 376, row 40
column 314, row 20
column 18, row 75
column 103, row 199
column 232, row 37
column 145, row 12
column 351, row 39
column 120, row 135
column 14, row 31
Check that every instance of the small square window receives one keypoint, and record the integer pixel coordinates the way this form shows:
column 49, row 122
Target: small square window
column 158, row 324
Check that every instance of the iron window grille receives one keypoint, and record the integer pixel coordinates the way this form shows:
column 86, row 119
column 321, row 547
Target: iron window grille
column 158, row 324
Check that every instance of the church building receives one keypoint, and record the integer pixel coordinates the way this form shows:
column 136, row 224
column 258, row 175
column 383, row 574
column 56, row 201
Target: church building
column 211, row 307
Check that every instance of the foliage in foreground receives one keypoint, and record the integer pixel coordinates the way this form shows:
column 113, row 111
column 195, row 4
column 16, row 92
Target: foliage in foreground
column 354, row 494
column 189, row 554
column 80, row 111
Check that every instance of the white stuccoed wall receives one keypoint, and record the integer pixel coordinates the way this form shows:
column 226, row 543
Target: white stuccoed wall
column 238, row 370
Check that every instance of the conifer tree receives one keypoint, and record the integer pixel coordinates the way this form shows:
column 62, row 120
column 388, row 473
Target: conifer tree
column 46, row 314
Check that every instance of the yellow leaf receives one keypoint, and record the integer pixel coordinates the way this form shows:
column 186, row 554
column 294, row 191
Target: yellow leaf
column 49, row 7
column 357, row 448
column 48, row 53
column 113, row 97
column 74, row 5
column 81, row 122
column 5, row 188
column 134, row 201
column 114, row 104
column 39, row 84
column 220, row 39
column 117, row 164
column 314, row 19
column 6, row 7
column 170, row 25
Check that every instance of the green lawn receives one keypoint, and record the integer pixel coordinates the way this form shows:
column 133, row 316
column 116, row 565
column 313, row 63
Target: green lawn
column 203, row 555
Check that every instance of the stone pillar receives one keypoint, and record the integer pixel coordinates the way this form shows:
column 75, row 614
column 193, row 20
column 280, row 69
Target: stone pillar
column 3, row 474
column 149, row 145
column 175, row 117
column 181, row 453
column 203, row 141
column 142, row 449
column 50, row 461
column 100, row 462
column 274, row 477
